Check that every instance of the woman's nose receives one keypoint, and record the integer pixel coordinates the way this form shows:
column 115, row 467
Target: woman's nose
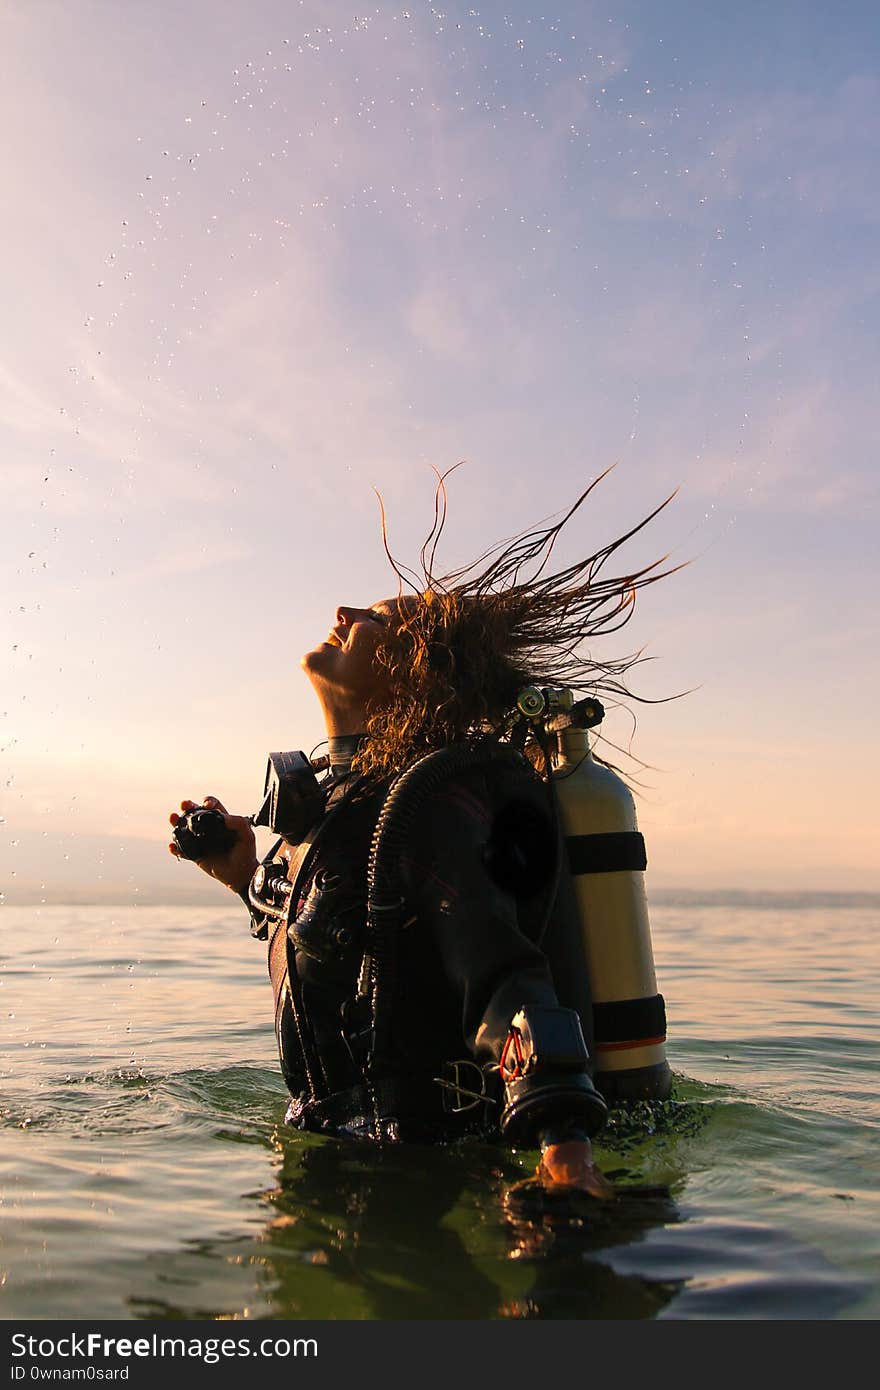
column 345, row 616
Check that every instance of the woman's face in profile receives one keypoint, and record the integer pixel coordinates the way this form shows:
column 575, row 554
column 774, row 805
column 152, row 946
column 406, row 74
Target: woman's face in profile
column 345, row 662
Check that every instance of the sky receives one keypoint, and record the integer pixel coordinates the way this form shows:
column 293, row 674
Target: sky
column 261, row 261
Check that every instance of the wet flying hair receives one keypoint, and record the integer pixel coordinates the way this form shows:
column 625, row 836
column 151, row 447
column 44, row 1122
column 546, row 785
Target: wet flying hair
column 463, row 645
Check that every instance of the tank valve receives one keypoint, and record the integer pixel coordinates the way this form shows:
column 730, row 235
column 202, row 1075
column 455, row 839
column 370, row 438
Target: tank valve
column 530, row 702
column 534, row 703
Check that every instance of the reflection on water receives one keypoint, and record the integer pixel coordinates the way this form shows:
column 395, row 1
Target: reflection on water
column 562, row 1240
column 381, row 1226
column 395, row 1234
column 419, row 1233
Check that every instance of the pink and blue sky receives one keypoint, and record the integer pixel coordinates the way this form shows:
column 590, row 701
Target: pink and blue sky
column 262, row 259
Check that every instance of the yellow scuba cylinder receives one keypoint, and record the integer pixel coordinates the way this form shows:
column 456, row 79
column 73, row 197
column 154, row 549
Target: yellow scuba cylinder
column 605, row 856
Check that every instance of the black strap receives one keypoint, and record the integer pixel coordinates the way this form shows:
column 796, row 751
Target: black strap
column 627, row 1020
column 606, row 854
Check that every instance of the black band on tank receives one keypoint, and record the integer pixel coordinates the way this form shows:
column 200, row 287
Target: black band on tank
column 606, row 854
column 627, row 1020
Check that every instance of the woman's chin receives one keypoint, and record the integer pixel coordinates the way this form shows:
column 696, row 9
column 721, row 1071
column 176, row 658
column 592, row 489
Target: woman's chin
column 315, row 660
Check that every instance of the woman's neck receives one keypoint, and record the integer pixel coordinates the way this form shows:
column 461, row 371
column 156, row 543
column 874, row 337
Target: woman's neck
column 342, row 719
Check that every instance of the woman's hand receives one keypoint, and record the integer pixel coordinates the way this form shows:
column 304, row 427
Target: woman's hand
column 570, row 1165
column 566, row 1174
column 234, row 868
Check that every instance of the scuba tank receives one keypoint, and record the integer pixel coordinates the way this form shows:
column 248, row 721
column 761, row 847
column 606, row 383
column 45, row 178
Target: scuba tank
column 606, row 937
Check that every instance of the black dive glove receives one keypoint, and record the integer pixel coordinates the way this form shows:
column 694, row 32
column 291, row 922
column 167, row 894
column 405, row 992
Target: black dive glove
column 547, row 1090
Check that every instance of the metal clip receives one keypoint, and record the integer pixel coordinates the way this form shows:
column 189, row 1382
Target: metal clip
column 475, row 1098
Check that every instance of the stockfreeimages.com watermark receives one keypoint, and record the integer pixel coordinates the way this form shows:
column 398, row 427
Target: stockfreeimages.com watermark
column 96, row 1346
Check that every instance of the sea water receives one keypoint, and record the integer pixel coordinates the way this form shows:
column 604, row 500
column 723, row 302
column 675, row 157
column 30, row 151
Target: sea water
column 145, row 1171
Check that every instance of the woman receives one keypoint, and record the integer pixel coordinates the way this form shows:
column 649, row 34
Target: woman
column 430, row 1011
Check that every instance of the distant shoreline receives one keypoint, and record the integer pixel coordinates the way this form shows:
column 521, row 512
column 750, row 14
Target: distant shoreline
column 123, row 896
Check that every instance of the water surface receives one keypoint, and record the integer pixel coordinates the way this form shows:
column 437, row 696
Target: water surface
column 145, row 1170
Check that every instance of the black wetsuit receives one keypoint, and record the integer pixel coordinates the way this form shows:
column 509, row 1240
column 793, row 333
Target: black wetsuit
column 467, row 963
